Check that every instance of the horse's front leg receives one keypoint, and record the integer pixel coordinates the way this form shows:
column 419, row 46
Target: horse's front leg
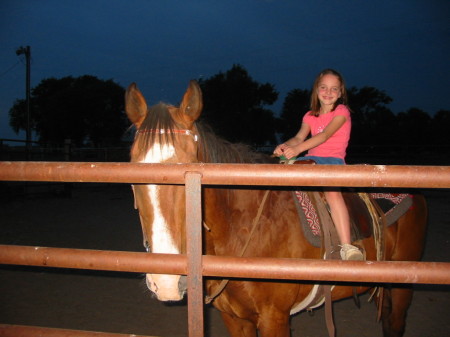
column 274, row 323
column 238, row 327
column 396, row 303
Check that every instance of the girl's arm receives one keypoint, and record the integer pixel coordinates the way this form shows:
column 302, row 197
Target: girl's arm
column 294, row 149
column 297, row 139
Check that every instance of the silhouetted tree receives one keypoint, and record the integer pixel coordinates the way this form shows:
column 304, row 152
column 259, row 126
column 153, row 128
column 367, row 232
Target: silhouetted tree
column 234, row 106
column 296, row 104
column 414, row 127
column 372, row 121
column 439, row 127
column 83, row 109
column 18, row 116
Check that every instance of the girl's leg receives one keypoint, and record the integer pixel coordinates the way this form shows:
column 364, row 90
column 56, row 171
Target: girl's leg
column 339, row 214
column 341, row 219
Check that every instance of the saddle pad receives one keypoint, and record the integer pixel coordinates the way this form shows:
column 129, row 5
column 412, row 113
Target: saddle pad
column 393, row 206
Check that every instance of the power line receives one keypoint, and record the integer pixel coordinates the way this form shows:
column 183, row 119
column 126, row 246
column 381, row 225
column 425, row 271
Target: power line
column 10, row 68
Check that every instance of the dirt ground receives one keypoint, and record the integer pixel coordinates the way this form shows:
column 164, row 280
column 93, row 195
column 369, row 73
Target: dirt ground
column 102, row 217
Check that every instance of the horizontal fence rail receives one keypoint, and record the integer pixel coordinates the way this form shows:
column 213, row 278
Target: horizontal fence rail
column 231, row 174
column 227, row 266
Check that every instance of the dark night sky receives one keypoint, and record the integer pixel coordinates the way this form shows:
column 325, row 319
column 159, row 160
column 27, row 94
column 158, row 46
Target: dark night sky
column 401, row 47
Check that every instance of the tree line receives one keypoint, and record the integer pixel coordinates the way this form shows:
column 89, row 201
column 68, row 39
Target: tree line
column 85, row 109
column 89, row 111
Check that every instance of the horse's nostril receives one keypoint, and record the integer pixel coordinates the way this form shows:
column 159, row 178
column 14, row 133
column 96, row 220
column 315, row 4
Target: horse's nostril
column 182, row 283
column 151, row 285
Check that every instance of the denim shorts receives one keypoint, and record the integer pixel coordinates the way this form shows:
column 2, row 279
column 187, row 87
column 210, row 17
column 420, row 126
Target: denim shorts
column 324, row 160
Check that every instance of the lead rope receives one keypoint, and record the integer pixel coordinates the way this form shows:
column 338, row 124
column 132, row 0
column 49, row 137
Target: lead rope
column 223, row 284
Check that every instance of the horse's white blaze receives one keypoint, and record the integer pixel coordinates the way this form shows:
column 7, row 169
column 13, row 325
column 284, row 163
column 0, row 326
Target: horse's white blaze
column 164, row 286
column 158, row 153
column 161, row 240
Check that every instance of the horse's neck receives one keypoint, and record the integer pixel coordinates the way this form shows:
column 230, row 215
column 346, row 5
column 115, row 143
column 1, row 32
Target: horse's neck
column 218, row 208
column 232, row 215
column 228, row 214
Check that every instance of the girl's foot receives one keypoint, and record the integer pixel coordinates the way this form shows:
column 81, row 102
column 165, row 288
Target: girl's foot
column 351, row 253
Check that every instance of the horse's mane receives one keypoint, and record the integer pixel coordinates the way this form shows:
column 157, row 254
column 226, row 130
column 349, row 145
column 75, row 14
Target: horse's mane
column 212, row 148
column 215, row 149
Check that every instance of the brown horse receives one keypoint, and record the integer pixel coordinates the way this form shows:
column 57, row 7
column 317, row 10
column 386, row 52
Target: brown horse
column 169, row 134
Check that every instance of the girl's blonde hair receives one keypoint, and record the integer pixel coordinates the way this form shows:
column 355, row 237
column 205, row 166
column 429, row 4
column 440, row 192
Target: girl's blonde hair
column 315, row 103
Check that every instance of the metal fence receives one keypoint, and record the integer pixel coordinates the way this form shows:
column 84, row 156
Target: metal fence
column 194, row 264
column 392, row 154
column 17, row 150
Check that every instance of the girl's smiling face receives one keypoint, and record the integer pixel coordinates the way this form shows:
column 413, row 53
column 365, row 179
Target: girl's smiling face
column 329, row 90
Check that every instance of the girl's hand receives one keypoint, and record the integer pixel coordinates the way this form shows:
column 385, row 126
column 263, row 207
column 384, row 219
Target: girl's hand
column 279, row 150
column 290, row 152
column 286, row 151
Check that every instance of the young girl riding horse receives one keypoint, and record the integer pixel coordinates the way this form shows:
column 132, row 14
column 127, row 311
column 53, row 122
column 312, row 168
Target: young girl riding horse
column 329, row 124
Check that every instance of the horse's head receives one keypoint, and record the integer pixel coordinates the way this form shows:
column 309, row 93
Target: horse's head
column 165, row 134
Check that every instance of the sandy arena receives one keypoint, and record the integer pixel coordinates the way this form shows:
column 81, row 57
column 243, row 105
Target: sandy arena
column 102, row 217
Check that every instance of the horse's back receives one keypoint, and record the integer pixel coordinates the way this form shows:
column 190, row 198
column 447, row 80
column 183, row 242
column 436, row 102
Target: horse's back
column 406, row 238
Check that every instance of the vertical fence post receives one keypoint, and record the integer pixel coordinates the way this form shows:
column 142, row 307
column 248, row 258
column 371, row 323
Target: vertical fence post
column 194, row 253
column 67, row 149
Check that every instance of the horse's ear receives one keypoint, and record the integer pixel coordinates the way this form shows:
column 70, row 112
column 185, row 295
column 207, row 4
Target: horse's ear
column 192, row 104
column 135, row 105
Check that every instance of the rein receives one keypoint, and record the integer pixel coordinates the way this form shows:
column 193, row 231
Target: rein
column 223, row 284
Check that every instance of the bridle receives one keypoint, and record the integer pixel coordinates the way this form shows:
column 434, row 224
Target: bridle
column 174, row 131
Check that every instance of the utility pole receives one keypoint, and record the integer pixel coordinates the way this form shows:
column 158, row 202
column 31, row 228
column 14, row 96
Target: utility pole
column 27, row 51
